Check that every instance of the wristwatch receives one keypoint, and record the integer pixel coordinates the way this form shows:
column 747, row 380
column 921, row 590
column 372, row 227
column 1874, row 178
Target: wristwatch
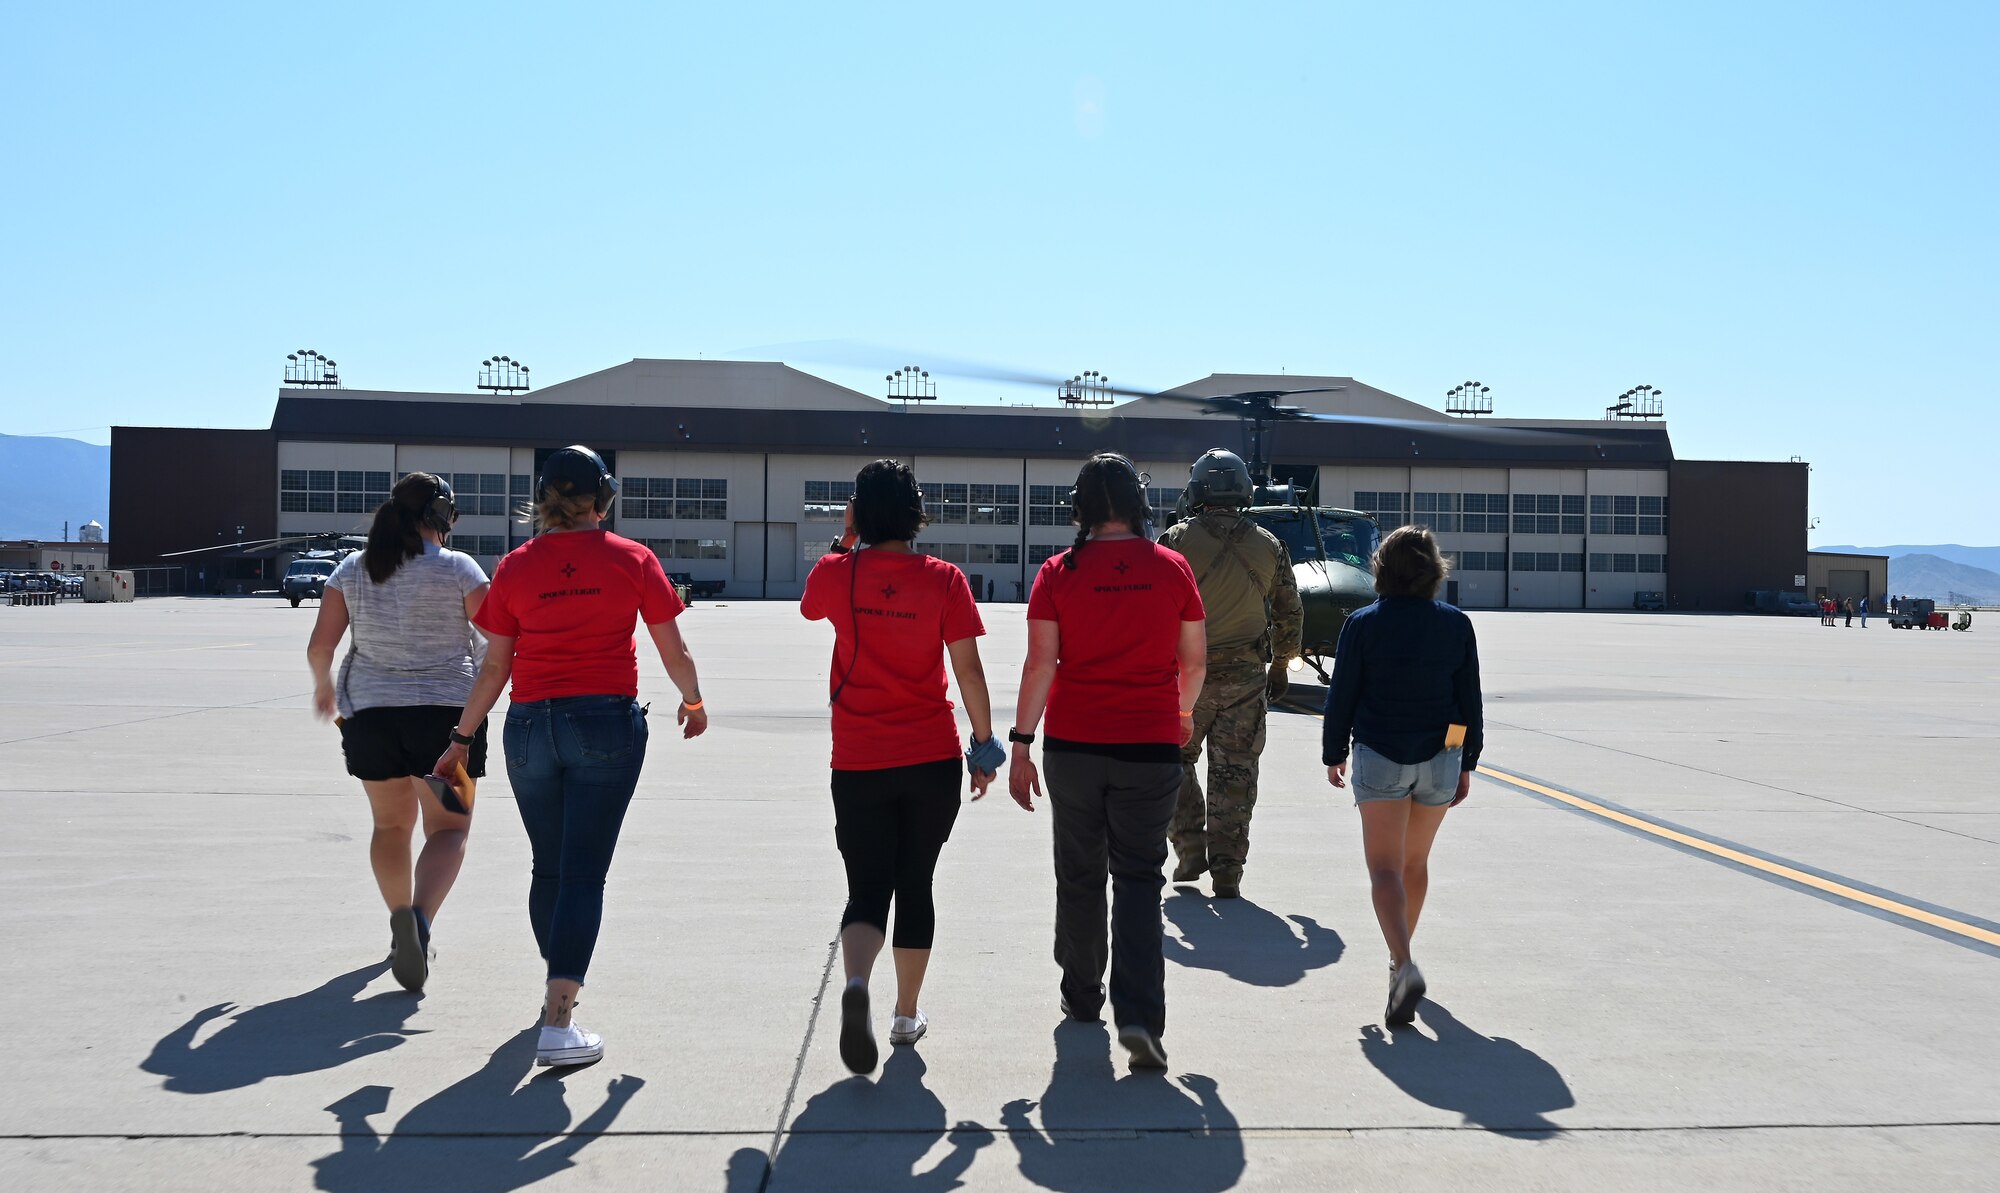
column 1019, row 738
column 459, row 739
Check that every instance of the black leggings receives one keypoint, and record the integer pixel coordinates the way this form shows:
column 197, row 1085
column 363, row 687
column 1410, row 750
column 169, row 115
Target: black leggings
column 891, row 825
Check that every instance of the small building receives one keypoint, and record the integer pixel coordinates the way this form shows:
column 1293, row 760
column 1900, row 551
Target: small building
column 1840, row 574
column 34, row 555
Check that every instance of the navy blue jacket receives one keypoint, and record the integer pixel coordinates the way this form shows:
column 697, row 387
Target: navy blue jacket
column 1404, row 669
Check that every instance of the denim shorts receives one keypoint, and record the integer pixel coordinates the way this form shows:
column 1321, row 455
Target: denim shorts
column 1431, row 783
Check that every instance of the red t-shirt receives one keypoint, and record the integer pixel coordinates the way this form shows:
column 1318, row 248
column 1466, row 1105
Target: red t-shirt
column 569, row 600
column 894, row 710
column 1119, row 612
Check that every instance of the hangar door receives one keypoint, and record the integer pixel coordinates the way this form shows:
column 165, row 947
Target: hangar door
column 752, row 556
column 1847, row 583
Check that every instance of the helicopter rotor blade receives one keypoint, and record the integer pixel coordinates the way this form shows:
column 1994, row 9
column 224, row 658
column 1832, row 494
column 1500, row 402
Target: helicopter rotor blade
column 332, row 537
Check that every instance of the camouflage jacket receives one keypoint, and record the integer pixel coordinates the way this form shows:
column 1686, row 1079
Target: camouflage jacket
column 1247, row 586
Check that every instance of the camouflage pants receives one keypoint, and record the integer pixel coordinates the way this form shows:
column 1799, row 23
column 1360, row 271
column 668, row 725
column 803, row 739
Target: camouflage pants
column 1229, row 717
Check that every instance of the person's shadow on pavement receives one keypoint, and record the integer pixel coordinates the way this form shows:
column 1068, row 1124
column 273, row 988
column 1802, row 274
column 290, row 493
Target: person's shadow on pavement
column 863, row 1135
column 1238, row 938
column 1495, row 1083
column 305, row 1033
column 1176, row 1143
column 483, row 1133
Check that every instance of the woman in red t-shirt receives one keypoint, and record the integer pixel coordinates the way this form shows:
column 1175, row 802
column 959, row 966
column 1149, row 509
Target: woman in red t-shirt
column 559, row 619
column 896, row 614
column 1116, row 653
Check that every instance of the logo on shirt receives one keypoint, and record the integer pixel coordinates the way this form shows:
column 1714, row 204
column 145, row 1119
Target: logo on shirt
column 888, row 592
column 1122, row 567
column 568, row 570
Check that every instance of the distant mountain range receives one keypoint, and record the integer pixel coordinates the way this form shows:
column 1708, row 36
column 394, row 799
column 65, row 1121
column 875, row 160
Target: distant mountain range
column 1943, row 580
column 1978, row 557
column 45, row 481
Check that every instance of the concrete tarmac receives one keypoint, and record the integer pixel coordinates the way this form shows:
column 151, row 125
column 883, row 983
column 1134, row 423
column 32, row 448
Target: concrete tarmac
column 1718, row 990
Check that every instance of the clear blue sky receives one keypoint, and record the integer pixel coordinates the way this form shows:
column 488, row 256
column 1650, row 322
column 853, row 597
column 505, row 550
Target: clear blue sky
column 1781, row 214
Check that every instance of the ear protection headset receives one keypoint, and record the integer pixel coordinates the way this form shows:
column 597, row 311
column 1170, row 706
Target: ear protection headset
column 575, row 470
column 442, row 509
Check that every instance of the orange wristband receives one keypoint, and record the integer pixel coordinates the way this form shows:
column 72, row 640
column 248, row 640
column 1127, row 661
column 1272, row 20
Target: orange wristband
column 1187, row 713
column 695, row 707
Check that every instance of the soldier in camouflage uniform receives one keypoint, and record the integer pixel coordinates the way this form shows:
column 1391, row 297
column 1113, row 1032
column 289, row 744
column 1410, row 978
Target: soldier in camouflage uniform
column 1254, row 623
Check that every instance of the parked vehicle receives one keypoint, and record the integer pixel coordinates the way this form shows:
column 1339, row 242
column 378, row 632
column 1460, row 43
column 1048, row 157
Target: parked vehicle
column 1916, row 613
column 700, row 588
column 305, row 578
column 1649, row 600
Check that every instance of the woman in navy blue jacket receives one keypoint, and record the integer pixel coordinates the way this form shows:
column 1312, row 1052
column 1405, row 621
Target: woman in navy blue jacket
column 1406, row 689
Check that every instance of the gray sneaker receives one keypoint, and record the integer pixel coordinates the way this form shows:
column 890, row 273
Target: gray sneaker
column 1144, row 1047
column 409, row 949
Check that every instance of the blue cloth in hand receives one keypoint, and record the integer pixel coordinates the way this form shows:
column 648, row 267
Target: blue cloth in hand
column 983, row 756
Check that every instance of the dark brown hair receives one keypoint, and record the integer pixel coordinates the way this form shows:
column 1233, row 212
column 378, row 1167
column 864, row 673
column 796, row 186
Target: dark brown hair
column 888, row 505
column 1109, row 488
column 393, row 537
column 1408, row 564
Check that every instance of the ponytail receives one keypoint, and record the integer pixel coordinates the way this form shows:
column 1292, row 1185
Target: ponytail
column 394, row 536
column 1109, row 488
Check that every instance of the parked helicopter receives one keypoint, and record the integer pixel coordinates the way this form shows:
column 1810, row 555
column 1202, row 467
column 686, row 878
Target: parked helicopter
column 305, row 576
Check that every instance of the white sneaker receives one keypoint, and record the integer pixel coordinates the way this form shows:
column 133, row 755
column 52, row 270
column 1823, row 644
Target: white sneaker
column 570, row 1045
column 1406, row 989
column 906, row 1029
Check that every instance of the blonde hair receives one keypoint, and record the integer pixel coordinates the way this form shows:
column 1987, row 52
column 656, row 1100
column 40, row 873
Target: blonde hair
column 554, row 512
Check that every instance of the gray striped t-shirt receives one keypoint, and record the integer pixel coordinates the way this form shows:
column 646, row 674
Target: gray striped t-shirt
column 410, row 641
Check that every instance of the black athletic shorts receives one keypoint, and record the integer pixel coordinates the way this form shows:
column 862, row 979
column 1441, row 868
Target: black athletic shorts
column 394, row 743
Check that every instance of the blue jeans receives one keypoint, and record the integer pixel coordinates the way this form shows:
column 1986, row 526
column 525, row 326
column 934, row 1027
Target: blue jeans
column 573, row 762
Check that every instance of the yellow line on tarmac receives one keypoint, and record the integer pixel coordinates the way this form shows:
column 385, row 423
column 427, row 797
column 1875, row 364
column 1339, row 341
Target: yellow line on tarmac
column 120, row 654
column 1776, row 869
column 1945, row 923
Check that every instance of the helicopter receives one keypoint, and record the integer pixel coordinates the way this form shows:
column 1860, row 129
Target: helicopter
column 305, row 576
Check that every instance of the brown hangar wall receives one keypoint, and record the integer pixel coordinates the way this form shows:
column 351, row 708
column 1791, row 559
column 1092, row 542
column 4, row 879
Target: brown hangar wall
column 1736, row 526
column 175, row 488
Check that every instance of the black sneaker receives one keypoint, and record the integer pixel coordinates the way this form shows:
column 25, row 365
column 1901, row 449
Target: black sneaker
column 1144, row 1047
column 410, row 948
column 857, row 1034
column 1070, row 1012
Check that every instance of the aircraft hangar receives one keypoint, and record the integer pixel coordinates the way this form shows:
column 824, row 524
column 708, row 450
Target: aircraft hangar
column 736, row 472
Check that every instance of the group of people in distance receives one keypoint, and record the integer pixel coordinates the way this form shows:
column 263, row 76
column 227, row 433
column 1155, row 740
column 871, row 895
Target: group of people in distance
column 1113, row 685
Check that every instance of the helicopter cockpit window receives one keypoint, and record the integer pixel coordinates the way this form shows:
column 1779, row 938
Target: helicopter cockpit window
column 1350, row 540
column 1295, row 532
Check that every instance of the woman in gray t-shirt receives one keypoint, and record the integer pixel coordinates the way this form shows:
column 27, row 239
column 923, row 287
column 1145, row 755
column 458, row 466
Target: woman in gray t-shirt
column 398, row 695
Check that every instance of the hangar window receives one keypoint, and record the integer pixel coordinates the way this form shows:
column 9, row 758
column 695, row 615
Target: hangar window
column 328, row 491
column 948, row 505
column 480, row 544
column 1482, row 561
column 1572, row 561
column 1040, row 553
column 1388, row 509
column 1652, row 525
column 995, row 505
column 826, row 501
column 692, row 499
column 1652, row 563
column 1624, row 563
column 981, row 553
column 1439, row 511
column 1048, row 505
column 688, row 548
column 1621, row 524
column 1163, row 501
